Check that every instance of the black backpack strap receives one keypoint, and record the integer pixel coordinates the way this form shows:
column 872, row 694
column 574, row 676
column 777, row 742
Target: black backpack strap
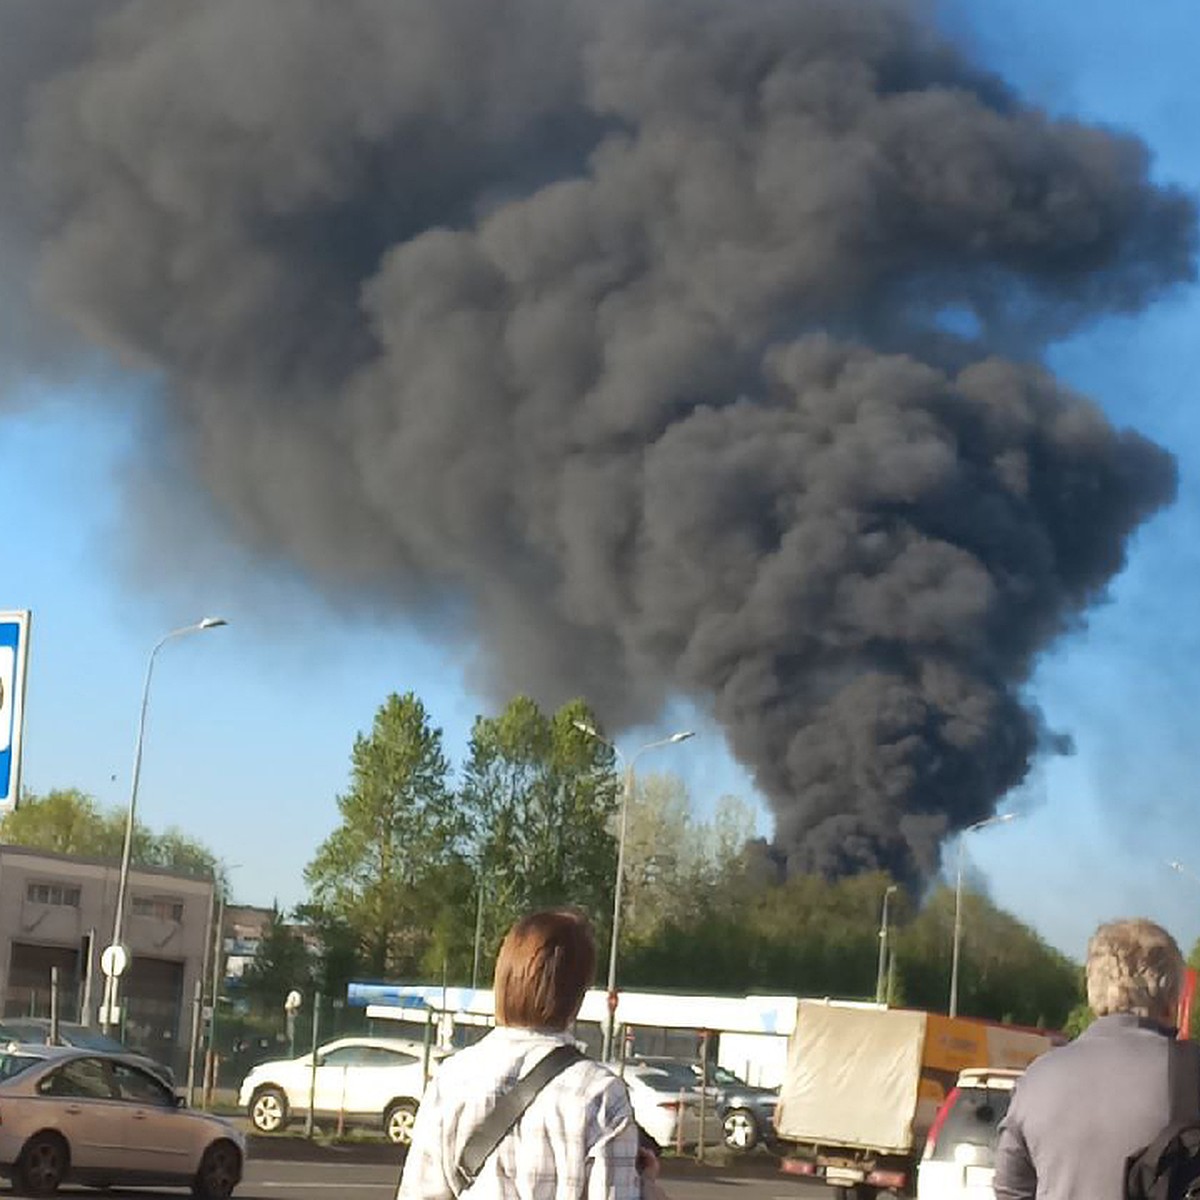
column 1183, row 1075
column 508, row 1111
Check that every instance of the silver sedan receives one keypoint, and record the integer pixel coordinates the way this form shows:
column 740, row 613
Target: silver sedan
column 70, row 1114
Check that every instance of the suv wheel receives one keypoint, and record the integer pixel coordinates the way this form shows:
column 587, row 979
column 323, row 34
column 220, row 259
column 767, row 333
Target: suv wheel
column 268, row 1110
column 398, row 1121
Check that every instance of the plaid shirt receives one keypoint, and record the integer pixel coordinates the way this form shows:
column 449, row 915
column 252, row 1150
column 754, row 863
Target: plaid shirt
column 577, row 1139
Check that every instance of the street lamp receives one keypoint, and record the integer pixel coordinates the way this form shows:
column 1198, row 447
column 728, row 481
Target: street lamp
column 111, row 984
column 479, row 888
column 610, row 1028
column 987, row 821
column 218, row 978
column 881, row 977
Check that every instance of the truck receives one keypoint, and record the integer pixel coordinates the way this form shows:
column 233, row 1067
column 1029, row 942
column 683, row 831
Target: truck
column 864, row 1082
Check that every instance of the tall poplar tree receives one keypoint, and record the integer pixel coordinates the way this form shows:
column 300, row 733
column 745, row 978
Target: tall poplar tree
column 384, row 869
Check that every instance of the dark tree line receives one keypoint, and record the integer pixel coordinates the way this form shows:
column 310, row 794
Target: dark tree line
column 427, row 865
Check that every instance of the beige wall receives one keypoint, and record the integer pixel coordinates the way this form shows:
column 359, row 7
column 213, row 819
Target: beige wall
column 179, row 933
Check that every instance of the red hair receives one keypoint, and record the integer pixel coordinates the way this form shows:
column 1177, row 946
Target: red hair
column 545, row 965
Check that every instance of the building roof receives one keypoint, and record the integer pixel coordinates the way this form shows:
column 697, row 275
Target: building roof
column 8, row 850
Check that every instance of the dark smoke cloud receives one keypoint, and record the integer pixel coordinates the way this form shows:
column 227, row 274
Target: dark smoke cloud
column 621, row 329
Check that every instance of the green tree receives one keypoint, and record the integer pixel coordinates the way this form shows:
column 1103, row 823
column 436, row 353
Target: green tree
column 672, row 858
column 382, row 872
column 1006, row 971
column 1078, row 1019
column 337, row 961
column 539, row 795
column 281, row 963
column 68, row 821
column 64, row 821
column 807, row 937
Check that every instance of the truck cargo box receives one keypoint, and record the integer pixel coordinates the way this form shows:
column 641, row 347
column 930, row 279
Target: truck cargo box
column 870, row 1078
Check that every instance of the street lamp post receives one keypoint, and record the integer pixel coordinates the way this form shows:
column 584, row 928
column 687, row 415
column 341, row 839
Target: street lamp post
column 987, row 821
column 478, row 929
column 111, row 981
column 218, row 978
column 881, row 976
column 610, row 1028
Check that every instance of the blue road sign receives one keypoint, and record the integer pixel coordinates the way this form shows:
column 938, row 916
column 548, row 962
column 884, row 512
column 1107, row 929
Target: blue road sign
column 14, row 654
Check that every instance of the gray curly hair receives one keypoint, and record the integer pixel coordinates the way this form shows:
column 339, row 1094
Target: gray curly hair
column 1134, row 966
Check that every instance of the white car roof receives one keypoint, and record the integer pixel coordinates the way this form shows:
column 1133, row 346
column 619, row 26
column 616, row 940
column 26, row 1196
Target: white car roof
column 381, row 1043
column 998, row 1078
column 404, row 1045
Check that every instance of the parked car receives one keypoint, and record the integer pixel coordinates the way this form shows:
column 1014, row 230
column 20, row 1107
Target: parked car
column 74, row 1115
column 665, row 1104
column 37, row 1030
column 960, row 1151
column 363, row 1080
column 746, row 1113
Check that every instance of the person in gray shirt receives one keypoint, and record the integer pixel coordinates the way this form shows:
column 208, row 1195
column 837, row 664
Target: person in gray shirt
column 1082, row 1109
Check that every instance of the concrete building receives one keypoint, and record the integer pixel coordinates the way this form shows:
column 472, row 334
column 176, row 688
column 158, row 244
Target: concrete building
column 245, row 926
column 57, row 910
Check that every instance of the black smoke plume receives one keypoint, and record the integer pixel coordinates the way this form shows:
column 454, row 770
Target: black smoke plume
column 668, row 346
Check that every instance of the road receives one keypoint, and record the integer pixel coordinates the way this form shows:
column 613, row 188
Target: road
column 277, row 1180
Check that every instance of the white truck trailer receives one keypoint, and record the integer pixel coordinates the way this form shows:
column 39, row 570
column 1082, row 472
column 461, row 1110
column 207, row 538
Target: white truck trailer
column 864, row 1083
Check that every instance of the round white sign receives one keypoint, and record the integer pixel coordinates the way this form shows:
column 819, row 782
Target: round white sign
column 293, row 1002
column 113, row 960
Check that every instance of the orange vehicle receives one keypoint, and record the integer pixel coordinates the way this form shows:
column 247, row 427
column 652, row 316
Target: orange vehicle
column 864, row 1084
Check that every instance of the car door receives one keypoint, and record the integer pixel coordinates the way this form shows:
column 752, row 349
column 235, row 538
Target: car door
column 336, row 1072
column 160, row 1140
column 386, row 1075
column 81, row 1102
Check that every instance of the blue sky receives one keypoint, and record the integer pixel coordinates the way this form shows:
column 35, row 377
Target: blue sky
column 251, row 726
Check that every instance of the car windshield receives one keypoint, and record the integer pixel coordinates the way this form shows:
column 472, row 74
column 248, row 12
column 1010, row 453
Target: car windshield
column 13, row 1064
column 680, row 1075
column 89, row 1039
column 725, row 1078
column 21, row 1031
column 974, row 1120
column 666, row 1080
column 73, row 1035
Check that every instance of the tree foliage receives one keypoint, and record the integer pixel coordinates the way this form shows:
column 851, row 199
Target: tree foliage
column 397, row 887
column 281, row 963
column 68, row 821
column 671, row 856
column 813, row 937
column 538, row 798
column 382, row 870
column 1005, row 970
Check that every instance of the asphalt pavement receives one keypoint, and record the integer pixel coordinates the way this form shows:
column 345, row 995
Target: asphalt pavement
column 282, row 1179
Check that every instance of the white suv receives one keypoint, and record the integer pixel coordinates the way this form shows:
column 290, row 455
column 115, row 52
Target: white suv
column 360, row 1080
column 960, row 1153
